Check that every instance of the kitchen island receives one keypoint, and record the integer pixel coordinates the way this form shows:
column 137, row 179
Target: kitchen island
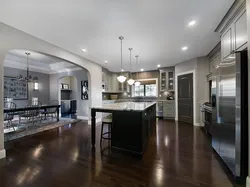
column 132, row 127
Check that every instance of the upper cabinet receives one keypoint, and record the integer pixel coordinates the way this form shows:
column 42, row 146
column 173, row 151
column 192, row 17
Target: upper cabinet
column 233, row 29
column 240, row 31
column 111, row 84
column 227, row 43
column 167, row 79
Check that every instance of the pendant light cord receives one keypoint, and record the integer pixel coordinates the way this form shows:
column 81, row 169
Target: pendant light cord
column 121, row 54
column 137, row 66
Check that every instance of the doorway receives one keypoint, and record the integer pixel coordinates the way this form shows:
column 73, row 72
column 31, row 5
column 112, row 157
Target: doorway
column 185, row 98
column 68, row 96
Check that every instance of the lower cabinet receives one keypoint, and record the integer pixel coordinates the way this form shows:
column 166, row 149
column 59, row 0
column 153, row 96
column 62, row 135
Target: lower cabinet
column 131, row 130
column 169, row 109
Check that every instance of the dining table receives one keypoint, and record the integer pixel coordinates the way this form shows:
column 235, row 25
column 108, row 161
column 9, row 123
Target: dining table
column 19, row 110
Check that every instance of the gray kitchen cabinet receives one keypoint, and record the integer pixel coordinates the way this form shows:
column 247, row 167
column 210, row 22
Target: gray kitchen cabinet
column 240, row 31
column 169, row 109
column 233, row 31
column 227, row 43
column 214, row 61
column 112, row 84
column 166, row 80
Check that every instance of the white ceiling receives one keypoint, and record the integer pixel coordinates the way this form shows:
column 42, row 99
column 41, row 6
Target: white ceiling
column 37, row 62
column 156, row 29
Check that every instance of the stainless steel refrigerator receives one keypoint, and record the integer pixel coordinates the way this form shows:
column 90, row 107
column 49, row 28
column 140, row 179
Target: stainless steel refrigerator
column 230, row 113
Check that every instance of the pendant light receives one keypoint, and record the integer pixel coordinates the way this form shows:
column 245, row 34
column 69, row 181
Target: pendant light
column 121, row 78
column 130, row 81
column 137, row 83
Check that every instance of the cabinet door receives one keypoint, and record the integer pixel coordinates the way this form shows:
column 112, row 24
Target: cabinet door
column 163, row 80
column 114, row 83
column 227, row 43
column 241, row 31
column 170, row 80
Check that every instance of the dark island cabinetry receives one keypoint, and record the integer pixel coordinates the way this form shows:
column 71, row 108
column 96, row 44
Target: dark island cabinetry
column 132, row 125
column 131, row 130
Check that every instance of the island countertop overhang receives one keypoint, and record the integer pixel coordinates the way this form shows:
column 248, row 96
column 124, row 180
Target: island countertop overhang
column 126, row 106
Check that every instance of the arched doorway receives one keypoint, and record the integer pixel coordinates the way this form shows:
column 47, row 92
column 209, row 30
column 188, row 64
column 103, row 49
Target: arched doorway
column 12, row 38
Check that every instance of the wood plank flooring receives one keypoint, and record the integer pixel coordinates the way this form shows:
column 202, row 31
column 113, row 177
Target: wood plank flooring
column 178, row 155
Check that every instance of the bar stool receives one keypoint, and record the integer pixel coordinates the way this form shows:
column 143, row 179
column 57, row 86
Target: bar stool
column 106, row 121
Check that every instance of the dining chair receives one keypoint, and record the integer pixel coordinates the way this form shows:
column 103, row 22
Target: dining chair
column 51, row 112
column 9, row 116
column 31, row 115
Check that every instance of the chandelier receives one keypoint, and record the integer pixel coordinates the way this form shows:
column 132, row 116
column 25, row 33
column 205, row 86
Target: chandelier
column 121, row 78
column 28, row 77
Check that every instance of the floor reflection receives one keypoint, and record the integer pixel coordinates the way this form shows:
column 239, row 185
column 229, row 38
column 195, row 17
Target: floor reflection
column 178, row 155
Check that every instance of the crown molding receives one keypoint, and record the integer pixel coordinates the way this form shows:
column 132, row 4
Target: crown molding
column 235, row 9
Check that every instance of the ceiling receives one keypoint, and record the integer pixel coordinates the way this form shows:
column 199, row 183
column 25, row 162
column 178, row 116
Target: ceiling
column 37, row 62
column 156, row 30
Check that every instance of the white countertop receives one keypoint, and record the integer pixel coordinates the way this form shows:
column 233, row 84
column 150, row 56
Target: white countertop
column 134, row 106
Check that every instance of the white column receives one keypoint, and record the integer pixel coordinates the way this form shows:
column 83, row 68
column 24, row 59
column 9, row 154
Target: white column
column 248, row 31
column 2, row 150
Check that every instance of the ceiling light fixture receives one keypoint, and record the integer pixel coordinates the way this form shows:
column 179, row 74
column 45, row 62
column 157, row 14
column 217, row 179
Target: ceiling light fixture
column 84, row 50
column 121, row 78
column 106, row 61
column 130, row 81
column 192, row 23
column 158, row 65
column 28, row 77
column 184, row 48
column 137, row 83
column 142, row 69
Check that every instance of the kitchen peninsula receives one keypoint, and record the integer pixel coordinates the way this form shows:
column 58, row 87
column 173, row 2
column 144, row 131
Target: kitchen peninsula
column 132, row 124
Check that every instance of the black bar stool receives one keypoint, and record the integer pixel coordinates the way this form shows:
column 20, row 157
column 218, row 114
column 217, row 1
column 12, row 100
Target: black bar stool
column 106, row 121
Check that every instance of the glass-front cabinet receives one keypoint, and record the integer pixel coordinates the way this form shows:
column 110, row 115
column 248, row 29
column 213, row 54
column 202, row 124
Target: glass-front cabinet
column 166, row 80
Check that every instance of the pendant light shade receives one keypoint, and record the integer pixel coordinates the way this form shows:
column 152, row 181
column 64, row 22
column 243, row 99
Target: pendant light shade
column 130, row 81
column 137, row 83
column 121, row 78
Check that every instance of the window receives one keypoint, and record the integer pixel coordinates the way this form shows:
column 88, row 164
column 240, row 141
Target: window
column 145, row 90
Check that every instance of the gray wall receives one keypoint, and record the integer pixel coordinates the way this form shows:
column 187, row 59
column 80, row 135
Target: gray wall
column 44, row 87
column 82, row 105
column 200, row 66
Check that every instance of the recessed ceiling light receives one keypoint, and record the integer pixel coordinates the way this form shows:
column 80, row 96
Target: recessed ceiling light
column 122, row 69
column 184, row 48
column 106, row 61
column 192, row 23
column 142, row 69
column 84, row 50
column 159, row 65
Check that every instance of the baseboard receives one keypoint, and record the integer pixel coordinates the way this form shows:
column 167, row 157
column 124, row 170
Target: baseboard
column 248, row 182
column 97, row 120
column 197, row 124
column 83, row 117
column 2, row 154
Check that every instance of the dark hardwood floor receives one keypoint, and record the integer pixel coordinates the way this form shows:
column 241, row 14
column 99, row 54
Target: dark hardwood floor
column 178, row 155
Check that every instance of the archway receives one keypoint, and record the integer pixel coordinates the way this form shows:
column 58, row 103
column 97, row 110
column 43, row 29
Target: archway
column 12, row 38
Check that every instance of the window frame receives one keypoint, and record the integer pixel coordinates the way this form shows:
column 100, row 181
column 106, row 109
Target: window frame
column 141, row 80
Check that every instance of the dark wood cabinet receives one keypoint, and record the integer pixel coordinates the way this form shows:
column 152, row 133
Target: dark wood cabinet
column 131, row 130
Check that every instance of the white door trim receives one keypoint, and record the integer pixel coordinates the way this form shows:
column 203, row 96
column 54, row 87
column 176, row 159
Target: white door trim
column 194, row 94
column 2, row 154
